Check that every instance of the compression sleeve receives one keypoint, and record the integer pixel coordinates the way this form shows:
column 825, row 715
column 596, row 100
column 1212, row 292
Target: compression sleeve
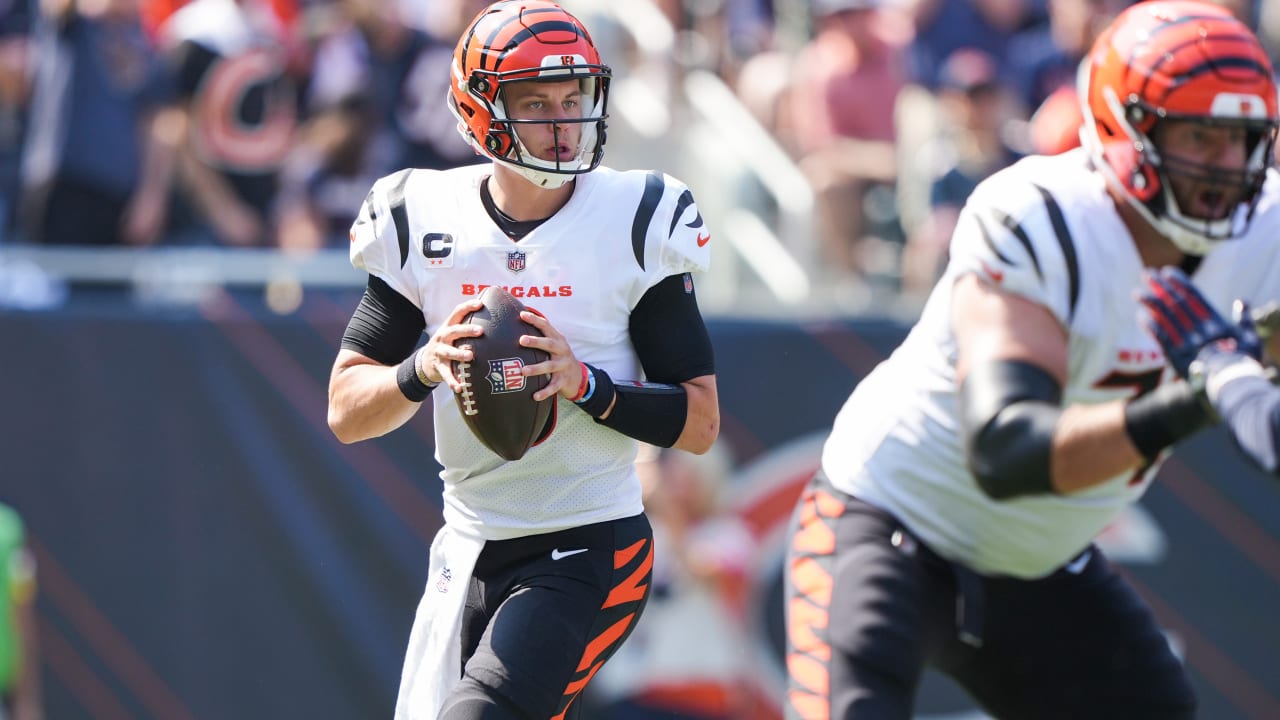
column 1008, row 412
column 672, row 343
column 668, row 333
column 385, row 326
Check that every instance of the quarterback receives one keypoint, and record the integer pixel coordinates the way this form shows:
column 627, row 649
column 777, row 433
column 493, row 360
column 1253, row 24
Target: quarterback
column 543, row 565
column 964, row 480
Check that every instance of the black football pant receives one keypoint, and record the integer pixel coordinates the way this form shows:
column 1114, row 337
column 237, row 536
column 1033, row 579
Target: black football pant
column 868, row 607
column 543, row 614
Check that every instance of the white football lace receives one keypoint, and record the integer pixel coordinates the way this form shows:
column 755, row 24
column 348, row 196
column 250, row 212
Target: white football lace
column 468, row 397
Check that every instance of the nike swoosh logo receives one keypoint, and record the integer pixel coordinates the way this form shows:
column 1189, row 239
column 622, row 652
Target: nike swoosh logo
column 703, row 239
column 995, row 275
column 558, row 555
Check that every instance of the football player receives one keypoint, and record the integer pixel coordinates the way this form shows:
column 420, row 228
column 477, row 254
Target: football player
column 964, row 480
column 543, row 565
column 1221, row 359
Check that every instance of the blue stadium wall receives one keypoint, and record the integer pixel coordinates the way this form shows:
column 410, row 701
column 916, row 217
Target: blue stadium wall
column 208, row 551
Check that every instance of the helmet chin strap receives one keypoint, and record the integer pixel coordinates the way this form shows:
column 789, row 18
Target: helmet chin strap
column 539, row 178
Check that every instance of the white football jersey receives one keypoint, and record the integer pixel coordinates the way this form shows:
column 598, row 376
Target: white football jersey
column 1047, row 230
column 427, row 234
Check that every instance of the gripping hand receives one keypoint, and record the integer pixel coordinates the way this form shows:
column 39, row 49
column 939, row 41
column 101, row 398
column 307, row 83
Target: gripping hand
column 1194, row 336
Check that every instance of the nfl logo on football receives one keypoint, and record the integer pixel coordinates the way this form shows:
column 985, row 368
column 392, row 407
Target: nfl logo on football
column 515, row 261
column 505, row 375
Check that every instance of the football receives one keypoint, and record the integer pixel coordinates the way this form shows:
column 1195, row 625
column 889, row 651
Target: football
column 496, row 401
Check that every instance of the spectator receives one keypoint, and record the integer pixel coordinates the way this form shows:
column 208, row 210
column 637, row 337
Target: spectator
column 20, row 694
column 373, row 106
column 97, row 166
column 237, row 115
column 15, row 32
column 1045, row 76
column 975, row 141
column 944, row 26
column 840, row 110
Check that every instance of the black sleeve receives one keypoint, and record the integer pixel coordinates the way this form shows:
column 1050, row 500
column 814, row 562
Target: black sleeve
column 669, row 335
column 386, row 326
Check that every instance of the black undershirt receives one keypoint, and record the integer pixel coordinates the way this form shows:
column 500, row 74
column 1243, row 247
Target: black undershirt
column 513, row 228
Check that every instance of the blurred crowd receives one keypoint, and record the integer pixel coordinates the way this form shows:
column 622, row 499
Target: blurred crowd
column 216, row 122
column 263, row 122
column 896, row 109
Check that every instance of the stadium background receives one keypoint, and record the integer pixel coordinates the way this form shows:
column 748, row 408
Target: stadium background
column 207, row 550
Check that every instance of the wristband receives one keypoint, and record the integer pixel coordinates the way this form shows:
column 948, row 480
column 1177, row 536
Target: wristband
column 1164, row 416
column 585, row 387
column 412, row 380
column 590, row 388
column 599, row 393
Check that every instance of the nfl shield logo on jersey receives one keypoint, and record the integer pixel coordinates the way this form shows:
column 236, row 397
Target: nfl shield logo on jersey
column 504, row 375
column 515, row 261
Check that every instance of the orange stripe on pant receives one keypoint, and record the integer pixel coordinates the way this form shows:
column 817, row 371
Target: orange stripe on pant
column 631, row 590
column 809, row 607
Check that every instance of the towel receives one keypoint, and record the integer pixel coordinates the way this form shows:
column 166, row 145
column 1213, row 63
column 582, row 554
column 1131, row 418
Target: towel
column 433, row 661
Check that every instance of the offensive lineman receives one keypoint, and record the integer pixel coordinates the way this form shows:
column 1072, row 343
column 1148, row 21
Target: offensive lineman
column 543, row 565
column 964, row 480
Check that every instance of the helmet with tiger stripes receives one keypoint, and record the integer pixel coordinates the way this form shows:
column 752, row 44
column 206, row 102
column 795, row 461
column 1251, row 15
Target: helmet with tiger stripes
column 1188, row 61
column 527, row 40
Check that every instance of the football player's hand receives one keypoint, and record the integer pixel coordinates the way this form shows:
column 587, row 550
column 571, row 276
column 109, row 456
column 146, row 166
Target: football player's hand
column 436, row 358
column 562, row 366
column 1194, row 336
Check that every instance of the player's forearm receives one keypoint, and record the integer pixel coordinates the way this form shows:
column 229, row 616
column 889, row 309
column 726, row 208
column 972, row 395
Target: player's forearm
column 1090, row 446
column 366, row 402
column 702, row 424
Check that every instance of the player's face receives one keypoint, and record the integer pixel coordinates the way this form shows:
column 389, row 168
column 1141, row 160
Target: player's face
column 547, row 102
column 1205, row 164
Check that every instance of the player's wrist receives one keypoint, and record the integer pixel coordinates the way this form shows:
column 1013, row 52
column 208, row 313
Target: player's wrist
column 412, row 378
column 599, row 395
column 585, row 386
column 1164, row 416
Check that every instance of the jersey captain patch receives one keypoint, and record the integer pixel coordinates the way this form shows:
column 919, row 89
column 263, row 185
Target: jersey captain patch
column 437, row 248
